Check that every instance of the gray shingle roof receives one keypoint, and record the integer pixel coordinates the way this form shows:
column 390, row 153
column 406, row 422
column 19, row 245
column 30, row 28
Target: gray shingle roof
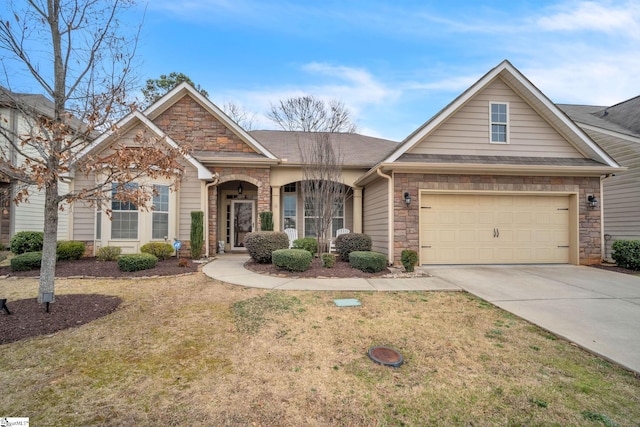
column 357, row 150
column 622, row 118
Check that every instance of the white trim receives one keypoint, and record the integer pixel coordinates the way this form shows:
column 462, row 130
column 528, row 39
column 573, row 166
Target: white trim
column 506, row 123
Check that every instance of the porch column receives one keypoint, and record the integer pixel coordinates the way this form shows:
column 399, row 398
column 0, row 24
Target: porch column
column 275, row 206
column 357, row 209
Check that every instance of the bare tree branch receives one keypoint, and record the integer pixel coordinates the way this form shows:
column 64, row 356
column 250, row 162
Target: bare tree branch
column 310, row 114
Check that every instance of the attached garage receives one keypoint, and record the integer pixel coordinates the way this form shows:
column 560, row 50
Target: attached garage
column 497, row 228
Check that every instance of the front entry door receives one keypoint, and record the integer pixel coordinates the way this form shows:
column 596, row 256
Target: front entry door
column 242, row 221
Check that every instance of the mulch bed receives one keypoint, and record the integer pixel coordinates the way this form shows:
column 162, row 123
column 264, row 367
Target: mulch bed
column 91, row 267
column 30, row 319
column 616, row 269
column 341, row 269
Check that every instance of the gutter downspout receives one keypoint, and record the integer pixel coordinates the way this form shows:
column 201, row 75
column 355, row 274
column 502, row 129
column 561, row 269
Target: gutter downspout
column 206, row 212
column 390, row 251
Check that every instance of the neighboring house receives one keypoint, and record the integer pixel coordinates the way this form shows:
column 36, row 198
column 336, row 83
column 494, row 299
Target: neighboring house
column 500, row 175
column 617, row 130
column 26, row 216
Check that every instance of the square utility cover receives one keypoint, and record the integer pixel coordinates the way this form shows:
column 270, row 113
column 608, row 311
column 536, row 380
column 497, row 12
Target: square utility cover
column 347, row 302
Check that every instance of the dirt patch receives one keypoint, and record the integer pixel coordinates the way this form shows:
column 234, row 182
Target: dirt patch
column 91, row 267
column 30, row 319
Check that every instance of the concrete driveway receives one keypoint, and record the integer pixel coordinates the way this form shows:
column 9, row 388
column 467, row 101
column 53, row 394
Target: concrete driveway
column 596, row 309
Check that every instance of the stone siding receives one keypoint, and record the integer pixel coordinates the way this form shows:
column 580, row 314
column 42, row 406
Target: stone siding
column 186, row 122
column 406, row 220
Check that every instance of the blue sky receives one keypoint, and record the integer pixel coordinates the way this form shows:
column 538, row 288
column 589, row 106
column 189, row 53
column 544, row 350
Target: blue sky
column 393, row 63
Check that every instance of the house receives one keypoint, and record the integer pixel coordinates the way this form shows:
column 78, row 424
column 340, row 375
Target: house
column 29, row 215
column 617, row 130
column 500, row 175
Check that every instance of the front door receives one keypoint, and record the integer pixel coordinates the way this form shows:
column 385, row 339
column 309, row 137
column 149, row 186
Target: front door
column 242, row 221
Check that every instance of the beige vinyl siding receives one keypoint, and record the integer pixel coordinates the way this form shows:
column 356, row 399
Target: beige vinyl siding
column 29, row 216
column 621, row 199
column 466, row 132
column 84, row 216
column 375, row 199
column 189, row 199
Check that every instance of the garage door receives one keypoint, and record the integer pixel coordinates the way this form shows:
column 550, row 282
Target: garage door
column 493, row 229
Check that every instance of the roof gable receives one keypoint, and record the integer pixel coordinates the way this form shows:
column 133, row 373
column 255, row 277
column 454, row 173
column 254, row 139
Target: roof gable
column 129, row 124
column 189, row 117
column 510, row 77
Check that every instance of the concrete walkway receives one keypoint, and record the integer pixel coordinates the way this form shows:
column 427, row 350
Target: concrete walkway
column 598, row 310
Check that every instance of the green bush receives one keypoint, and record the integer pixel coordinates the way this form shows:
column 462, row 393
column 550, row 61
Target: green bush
column 260, row 244
column 292, row 259
column 70, row 249
column 137, row 262
column 350, row 242
column 409, row 259
column 307, row 243
column 197, row 234
column 626, row 253
column 266, row 221
column 159, row 249
column 369, row 262
column 26, row 261
column 108, row 253
column 328, row 260
column 26, row 241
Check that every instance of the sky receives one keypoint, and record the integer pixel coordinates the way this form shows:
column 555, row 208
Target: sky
column 394, row 64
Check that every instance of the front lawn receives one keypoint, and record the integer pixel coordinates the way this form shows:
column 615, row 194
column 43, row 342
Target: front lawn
column 193, row 351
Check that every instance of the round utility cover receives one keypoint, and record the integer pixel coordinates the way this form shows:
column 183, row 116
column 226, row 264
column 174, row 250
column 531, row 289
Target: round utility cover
column 386, row 356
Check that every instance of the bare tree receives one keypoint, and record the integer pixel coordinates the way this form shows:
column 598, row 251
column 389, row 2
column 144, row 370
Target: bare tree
column 310, row 114
column 75, row 54
column 322, row 189
column 238, row 114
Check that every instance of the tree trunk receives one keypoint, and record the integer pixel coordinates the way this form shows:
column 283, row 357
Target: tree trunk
column 48, row 267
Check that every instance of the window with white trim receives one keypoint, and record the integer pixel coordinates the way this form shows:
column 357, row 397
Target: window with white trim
column 160, row 217
column 499, row 116
column 310, row 217
column 124, row 216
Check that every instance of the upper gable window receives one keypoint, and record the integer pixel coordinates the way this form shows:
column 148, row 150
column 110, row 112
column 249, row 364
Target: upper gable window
column 499, row 123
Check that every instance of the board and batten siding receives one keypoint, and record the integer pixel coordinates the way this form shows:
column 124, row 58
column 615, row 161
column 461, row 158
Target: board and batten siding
column 375, row 210
column 466, row 132
column 621, row 198
column 189, row 199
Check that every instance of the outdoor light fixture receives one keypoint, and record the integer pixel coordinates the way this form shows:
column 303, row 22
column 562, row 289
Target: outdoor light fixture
column 593, row 201
column 407, row 198
column 240, row 188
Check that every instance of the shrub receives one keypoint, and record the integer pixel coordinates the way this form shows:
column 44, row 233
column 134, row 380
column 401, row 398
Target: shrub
column 292, row 259
column 350, row 242
column 307, row 243
column 26, row 261
column 108, row 253
column 137, row 262
column 369, row 262
column 159, row 249
column 409, row 259
column 626, row 253
column 197, row 234
column 260, row 244
column 266, row 221
column 70, row 249
column 26, row 241
column 328, row 260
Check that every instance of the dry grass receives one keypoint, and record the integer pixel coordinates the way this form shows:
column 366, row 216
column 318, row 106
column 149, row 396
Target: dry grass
column 194, row 351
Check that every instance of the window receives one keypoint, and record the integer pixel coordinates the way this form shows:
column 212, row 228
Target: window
column 160, row 217
column 337, row 220
column 290, row 206
column 124, row 224
column 499, row 119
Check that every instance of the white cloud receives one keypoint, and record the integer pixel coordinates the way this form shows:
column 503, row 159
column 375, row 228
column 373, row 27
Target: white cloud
column 595, row 16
